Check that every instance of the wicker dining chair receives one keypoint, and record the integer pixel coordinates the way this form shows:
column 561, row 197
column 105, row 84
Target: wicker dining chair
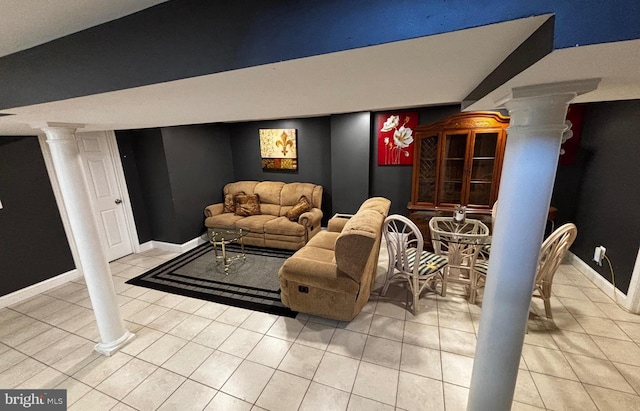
column 408, row 261
column 462, row 244
column 551, row 253
column 485, row 252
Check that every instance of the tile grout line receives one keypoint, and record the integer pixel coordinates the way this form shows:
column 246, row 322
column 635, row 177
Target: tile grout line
column 444, row 396
column 334, row 331
column 276, row 368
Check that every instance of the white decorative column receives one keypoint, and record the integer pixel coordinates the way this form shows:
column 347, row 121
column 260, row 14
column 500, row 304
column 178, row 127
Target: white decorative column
column 526, row 184
column 632, row 302
column 68, row 167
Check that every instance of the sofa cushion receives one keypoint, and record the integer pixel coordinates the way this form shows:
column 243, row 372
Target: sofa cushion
column 284, row 244
column 247, row 204
column 271, row 209
column 255, row 223
column 302, row 206
column 283, row 226
column 292, row 192
column 325, row 240
column 269, row 191
column 240, row 187
column 226, row 220
column 229, row 204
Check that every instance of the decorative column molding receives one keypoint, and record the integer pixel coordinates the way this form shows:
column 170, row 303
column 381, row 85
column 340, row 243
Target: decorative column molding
column 65, row 157
column 528, row 173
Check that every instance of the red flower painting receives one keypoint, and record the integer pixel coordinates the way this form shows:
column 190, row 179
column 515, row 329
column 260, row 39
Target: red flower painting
column 395, row 138
column 571, row 137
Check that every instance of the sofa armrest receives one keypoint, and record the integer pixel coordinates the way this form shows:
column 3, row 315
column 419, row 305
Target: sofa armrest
column 337, row 222
column 213, row 209
column 311, row 218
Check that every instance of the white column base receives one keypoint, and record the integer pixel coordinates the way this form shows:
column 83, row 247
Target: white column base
column 108, row 349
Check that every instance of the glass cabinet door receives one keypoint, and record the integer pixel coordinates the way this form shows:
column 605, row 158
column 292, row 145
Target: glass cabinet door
column 428, row 167
column 453, row 166
column 457, row 162
column 482, row 168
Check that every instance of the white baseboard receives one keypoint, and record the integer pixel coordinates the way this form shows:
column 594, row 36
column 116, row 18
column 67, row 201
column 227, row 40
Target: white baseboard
column 146, row 246
column 46, row 285
column 177, row 248
column 598, row 280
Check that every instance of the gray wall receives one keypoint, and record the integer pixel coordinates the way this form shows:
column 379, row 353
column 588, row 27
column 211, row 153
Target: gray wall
column 314, row 154
column 33, row 245
column 601, row 191
column 172, row 174
column 199, row 165
column 350, row 147
column 152, row 191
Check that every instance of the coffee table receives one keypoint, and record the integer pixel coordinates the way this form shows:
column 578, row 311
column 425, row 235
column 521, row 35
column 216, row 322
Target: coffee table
column 222, row 237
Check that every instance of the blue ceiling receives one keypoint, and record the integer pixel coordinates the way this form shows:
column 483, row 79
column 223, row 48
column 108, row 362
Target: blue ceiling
column 187, row 38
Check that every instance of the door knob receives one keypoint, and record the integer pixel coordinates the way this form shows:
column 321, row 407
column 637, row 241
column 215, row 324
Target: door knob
column 118, row 201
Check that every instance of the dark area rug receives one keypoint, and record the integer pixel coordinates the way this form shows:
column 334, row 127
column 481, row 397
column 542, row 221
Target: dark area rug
column 251, row 284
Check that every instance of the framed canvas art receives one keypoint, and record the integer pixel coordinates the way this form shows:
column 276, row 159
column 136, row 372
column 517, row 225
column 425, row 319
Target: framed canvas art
column 395, row 138
column 571, row 136
column 278, row 149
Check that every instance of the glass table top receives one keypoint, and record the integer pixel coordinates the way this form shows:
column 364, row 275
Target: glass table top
column 225, row 235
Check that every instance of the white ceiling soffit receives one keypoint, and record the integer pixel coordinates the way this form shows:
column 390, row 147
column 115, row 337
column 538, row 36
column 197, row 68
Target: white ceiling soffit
column 425, row 71
column 618, row 64
column 28, row 23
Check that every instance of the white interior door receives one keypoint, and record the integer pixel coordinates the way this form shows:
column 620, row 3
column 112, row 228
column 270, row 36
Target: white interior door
column 105, row 193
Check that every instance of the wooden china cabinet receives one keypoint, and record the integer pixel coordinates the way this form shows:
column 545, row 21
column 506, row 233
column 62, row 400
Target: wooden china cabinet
column 457, row 162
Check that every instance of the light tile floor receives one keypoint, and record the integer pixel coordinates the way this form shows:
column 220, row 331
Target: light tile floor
column 195, row 355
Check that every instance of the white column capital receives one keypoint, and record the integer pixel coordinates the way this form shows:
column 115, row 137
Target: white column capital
column 572, row 88
column 541, row 109
column 58, row 131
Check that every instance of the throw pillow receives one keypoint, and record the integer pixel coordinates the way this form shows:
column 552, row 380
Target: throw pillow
column 302, row 206
column 229, row 204
column 247, row 204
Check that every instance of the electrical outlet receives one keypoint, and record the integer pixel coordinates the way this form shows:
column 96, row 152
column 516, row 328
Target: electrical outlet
column 599, row 254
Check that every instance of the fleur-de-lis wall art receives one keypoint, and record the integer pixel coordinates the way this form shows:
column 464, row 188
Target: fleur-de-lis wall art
column 278, row 148
column 284, row 142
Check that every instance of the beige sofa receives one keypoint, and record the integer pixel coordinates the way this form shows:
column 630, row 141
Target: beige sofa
column 333, row 274
column 271, row 228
